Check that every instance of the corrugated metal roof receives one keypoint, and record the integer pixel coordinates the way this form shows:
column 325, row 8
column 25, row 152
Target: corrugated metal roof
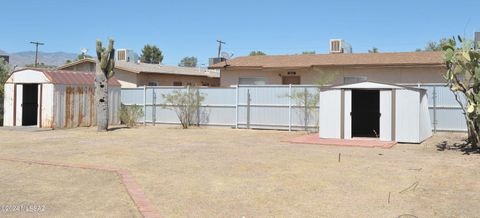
column 73, row 77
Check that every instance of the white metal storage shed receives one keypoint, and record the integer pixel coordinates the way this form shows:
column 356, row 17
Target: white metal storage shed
column 55, row 99
column 378, row 110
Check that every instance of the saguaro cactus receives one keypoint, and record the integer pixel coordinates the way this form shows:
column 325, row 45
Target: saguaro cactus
column 104, row 71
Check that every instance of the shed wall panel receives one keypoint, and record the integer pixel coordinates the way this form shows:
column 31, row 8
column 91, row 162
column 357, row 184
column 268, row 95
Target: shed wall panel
column 425, row 122
column 407, row 116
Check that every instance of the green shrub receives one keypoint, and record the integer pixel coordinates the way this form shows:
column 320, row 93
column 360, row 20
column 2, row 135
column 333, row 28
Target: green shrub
column 185, row 104
column 130, row 114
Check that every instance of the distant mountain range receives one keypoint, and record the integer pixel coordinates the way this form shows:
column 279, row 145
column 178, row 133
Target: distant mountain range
column 49, row 58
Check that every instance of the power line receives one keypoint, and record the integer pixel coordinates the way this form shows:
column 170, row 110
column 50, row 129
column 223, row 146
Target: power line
column 36, row 51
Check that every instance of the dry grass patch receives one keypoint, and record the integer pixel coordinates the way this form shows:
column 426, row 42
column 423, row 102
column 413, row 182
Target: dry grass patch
column 62, row 192
column 222, row 172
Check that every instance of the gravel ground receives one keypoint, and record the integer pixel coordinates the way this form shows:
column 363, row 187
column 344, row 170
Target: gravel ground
column 222, row 172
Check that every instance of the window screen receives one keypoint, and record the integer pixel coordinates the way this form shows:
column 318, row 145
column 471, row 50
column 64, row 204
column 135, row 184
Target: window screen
column 252, row 81
column 354, row 79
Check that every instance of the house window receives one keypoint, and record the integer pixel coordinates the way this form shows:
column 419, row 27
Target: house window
column 252, row 81
column 354, row 79
column 152, row 84
column 287, row 80
column 177, row 83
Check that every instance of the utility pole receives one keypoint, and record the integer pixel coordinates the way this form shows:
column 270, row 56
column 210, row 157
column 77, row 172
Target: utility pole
column 220, row 42
column 36, row 51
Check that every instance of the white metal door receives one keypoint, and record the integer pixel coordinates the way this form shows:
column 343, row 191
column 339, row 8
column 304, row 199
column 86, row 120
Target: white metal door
column 347, row 125
column 19, row 100
column 386, row 115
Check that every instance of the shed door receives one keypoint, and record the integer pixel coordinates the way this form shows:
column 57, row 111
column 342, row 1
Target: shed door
column 18, row 104
column 386, row 121
column 365, row 113
column 30, row 105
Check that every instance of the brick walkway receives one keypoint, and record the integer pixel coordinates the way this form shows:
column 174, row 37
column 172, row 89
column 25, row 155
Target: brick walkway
column 134, row 191
column 364, row 143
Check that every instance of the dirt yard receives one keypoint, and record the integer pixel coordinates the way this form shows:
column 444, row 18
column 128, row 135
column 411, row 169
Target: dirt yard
column 221, row 172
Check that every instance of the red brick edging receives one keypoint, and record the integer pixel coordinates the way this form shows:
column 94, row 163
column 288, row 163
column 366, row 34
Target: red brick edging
column 134, row 191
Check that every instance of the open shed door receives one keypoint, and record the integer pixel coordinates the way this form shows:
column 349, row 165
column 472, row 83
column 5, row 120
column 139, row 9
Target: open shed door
column 330, row 114
column 18, row 104
column 386, row 115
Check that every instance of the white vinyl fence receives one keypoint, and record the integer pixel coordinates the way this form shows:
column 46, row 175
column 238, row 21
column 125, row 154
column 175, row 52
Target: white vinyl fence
column 270, row 107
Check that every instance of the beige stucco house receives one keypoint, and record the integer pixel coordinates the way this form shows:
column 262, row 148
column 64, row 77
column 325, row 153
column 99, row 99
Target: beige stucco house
column 131, row 74
column 398, row 67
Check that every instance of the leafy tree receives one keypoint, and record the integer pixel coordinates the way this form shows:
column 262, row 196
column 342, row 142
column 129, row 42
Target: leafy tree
column 186, row 104
column 4, row 73
column 68, row 61
column 83, row 56
column 463, row 76
column 257, row 53
column 151, row 54
column 434, row 46
column 188, row 62
column 373, row 50
column 309, row 52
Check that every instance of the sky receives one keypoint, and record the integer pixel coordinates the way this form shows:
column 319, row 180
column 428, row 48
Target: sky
column 190, row 28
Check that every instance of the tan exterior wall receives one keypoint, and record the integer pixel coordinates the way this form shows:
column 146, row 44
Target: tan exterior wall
column 131, row 80
column 167, row 80
column 406, row 75
column 82, row 67
column 126, row 79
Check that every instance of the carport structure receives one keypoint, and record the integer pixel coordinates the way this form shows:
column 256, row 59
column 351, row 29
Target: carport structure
column 388, row 112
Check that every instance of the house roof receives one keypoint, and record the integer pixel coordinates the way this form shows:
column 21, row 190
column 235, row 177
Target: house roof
column 154, row 68
column 355, row 59
column 67, row 77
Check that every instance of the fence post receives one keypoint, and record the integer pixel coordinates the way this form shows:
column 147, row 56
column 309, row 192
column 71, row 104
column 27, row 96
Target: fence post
column 144, row 105
column 290, row 107
column 248, row 108
column 198, row 106
column 434, row 110
column 154, row 107
column 305, row 108
column 236, row 106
